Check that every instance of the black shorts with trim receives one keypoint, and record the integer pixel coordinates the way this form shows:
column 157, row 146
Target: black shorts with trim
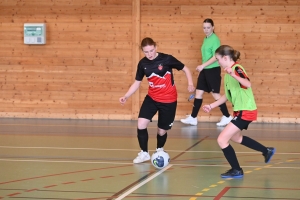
column 209, row 80
column 239, row 122
column 166, row 112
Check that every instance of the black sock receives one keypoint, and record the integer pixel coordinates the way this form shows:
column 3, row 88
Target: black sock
column 230, row 155
column 142, row 135
column 161, row 140
column 224, row 110
column 252, row 144
column 196, row 107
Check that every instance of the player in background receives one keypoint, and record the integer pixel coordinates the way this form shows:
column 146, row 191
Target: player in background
column 161, row 97
column 238, row 91
column 209, row 79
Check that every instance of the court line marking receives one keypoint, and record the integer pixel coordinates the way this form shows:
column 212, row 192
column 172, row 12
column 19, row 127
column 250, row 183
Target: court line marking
column 150, row 127
column 124, row 163
column 222, row 193
column 174, row 158
column 98, row 149
column 143, row 182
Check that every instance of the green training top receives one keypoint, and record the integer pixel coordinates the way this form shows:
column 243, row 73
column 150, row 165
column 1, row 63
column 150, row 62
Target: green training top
column 208, row 48
column 241, row 98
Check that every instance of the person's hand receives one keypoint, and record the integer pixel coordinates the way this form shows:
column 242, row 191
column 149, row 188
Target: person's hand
column 207, row 108
column 123, row 100
column 199, row 68
column 191, row 88
column 229, row 71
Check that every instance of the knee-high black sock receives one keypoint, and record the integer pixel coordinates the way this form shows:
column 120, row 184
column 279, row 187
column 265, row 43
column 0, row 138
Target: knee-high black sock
column 196, row 108
column 142, row 135
column 230, row 155
column 252, row 144
column 224, row 110
column 161, row 140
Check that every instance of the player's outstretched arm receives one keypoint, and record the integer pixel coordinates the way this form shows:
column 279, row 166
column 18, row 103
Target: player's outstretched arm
column 130, row 91
column 209, row 107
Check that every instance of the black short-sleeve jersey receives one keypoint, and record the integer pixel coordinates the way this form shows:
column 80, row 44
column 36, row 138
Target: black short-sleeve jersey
column 160, row 76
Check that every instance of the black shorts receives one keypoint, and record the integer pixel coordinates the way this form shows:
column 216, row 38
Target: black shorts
column 166, row 112
column 240, row 123
column 209, row 80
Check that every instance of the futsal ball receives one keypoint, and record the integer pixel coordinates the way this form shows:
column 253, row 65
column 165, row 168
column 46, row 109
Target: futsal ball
column 160, row 159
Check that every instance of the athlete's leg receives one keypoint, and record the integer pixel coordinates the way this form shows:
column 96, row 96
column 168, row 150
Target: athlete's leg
column 147, row 111
column 142, row 133
column 166, row 116
column 223, row 140
column 197, row 103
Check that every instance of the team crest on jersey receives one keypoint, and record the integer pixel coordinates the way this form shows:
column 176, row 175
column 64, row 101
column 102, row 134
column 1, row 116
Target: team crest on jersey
column 160, row 67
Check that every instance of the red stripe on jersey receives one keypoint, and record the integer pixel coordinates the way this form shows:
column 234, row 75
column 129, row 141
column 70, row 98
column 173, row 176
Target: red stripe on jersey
column 161, row 88
column 248, row 115
column 241, row 73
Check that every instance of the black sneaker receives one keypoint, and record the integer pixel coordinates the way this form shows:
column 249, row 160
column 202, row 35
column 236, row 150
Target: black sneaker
column 269, row 154
column 233, row 173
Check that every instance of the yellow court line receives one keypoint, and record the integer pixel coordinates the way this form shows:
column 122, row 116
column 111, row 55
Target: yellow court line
column 220, row 182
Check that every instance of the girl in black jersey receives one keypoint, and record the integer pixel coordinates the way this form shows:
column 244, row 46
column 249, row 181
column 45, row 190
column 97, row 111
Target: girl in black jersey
column 161, row 97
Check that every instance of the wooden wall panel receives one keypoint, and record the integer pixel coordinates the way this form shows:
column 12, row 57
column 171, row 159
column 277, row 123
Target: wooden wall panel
column 82, row 69
column 266, row 33
column 92, row 50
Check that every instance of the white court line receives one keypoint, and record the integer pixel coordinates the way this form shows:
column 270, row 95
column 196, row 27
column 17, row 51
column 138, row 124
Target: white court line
column 143, row 183
column 66, row 161
column 98, row 149
column 120, row 163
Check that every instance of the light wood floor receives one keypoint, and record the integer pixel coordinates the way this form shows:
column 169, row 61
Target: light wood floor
column 92, row 159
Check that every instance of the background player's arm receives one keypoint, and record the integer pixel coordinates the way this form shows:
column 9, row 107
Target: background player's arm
column 203, row 65
column 130, row 91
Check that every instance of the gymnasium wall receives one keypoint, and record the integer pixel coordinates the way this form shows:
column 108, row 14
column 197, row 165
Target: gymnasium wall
column 92, row 50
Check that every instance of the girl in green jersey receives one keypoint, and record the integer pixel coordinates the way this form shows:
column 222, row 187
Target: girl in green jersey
column 209, row 79
column 238, row 91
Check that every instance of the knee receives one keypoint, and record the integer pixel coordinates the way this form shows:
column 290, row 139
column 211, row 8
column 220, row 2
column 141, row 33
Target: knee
column 161, row 132
column 216, row 96
column 141, row 126
column 142, row 123
column 222, row 143
column 199, row 94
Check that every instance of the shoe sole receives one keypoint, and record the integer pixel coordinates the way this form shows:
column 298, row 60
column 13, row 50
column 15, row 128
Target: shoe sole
column 188, row 123
column 140, row 162
column 241, row 176
column 274, row 150
column 222, row 124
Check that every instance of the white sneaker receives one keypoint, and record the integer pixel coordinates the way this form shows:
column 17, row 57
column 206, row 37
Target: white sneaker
column 190, row 120
column 159, row 149
column 224, row 121
column 142, row 157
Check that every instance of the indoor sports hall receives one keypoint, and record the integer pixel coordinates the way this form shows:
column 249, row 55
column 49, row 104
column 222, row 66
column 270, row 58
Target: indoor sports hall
column 66, row 135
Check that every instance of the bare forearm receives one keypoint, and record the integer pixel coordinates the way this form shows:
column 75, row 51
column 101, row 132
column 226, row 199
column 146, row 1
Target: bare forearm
column 188, row 75
column 220, row 101
column 245, row 82
column 132, row 89
column 210, row 61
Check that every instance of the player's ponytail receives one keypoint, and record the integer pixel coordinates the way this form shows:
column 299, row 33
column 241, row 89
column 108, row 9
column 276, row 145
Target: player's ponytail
column 236, row 55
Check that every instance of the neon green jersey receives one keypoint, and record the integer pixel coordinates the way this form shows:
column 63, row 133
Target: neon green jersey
column 208, row 48
column 241, row 97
